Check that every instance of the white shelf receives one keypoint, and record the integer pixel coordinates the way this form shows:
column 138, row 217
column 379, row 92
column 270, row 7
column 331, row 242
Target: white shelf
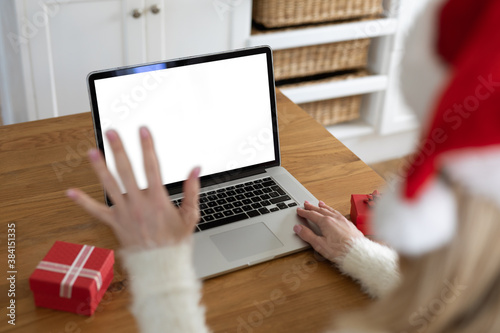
column 355, row 128
column 325, row 34
column 322, row 91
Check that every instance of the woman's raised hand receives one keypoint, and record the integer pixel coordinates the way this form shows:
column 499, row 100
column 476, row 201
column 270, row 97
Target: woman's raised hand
column 141, row 218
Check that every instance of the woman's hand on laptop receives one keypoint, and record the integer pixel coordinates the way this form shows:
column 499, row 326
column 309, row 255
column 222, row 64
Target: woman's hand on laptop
column 141, row 218
column 337, row 231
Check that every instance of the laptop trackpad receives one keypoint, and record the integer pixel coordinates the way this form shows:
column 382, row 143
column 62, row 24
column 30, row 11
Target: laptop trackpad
column 246, row 241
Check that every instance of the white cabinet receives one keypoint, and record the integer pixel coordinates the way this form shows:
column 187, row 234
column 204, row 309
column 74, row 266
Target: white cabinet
column 61, row 41
column 66, row 40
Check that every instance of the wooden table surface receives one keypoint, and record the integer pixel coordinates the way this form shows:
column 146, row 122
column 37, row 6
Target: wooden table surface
column 39, row 160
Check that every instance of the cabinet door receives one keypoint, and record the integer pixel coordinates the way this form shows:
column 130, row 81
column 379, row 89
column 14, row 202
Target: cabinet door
column 188, row 27
column 70, row 38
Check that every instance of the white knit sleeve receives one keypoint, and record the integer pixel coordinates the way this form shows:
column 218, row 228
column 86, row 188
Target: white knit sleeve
column 373, row 265
column 166, row 293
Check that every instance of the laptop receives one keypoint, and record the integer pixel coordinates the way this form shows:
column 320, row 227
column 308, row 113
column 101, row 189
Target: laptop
column 217, row 111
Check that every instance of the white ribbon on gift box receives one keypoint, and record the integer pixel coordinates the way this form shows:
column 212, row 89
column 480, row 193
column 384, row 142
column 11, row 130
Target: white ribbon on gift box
column 73, row 271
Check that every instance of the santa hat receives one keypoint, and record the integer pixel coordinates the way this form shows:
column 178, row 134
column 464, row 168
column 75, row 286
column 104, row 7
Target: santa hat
column 462, row 136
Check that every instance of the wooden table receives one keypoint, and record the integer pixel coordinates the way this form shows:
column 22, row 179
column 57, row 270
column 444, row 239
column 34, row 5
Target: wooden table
column 39, row 160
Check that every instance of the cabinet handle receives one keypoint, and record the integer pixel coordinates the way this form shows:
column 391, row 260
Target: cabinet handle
column 136, row 13
column 155, row 9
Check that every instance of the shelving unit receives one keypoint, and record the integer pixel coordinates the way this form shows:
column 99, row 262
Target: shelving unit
column 378, row 122
column 351, row 87
column 376, row 83
column 320, row 91
column 324, row 34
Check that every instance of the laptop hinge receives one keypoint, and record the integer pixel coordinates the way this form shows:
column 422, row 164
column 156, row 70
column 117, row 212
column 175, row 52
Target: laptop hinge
column 219, row 179
column 226, row 177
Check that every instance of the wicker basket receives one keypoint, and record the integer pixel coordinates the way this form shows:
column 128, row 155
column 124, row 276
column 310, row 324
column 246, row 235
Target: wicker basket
column 333, row 111
column 323, row 58
column 283, row 13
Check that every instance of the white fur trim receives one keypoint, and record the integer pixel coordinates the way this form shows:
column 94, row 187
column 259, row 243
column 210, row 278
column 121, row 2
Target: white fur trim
column 373, row 265
column 414, row 228
column 477, row 170
column 166, row 293
column 418, row 226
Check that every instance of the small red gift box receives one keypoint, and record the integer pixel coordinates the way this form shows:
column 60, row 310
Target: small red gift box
column 361, row 211
column 72, row 277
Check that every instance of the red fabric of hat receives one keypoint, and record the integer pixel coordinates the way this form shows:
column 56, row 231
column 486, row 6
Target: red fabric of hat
column 467, row 114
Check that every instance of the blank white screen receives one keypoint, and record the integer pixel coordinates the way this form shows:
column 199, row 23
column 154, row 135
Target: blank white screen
column 216, row 115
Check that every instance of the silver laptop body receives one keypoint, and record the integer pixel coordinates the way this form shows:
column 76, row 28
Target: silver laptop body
column 217, row 111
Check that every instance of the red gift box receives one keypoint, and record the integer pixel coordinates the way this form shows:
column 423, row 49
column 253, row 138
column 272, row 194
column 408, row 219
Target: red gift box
column 72, row 277
column 361, row 211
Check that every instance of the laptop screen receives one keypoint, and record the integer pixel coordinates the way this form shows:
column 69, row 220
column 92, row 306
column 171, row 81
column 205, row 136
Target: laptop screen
column 212, row 112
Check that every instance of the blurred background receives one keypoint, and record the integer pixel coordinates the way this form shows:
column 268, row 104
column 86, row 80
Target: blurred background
column 338, row 59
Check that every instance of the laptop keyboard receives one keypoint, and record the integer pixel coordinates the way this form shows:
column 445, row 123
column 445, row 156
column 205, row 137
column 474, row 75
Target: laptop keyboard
column 240, row 202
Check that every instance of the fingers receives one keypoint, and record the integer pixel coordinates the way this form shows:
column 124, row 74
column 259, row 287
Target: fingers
column 190, row 204
column 151, row 166
column 94, row 208
column 312, row 216
column 323, row 216
column 308, row 236
column 108, row 181
column 322, row 209
column 321, row 204
column 122, row 163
